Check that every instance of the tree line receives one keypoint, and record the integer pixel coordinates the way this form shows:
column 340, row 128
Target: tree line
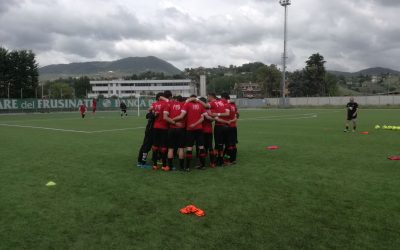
column 18, row 73
column 19, row 78
column 312, row 80
column 77, row 87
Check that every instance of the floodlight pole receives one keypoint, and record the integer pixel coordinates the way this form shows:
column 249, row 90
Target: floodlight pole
column 285, row 4
column 138, row 104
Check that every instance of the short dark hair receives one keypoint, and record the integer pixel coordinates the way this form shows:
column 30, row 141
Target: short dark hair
column 203, row 99
column 193, row 95
column 213, row 95
column 225, row 96
column 159, row 95
column 167, row 94
column 179, row 98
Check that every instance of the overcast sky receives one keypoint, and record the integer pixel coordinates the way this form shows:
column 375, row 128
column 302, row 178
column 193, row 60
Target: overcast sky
column 350, row 34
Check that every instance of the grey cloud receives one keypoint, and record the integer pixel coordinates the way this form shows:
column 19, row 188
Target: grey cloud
column 350, row 34
column 388, row 3
column 114, row 26
column 217, row 29
column 5, row 5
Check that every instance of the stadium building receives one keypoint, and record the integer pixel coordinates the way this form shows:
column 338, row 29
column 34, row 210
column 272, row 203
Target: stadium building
column 128, row 88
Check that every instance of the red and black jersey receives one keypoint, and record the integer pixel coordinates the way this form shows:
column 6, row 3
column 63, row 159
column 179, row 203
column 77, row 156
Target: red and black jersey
column 82, row 108
column 207, row 124
column 175, row 109
column 232, row 114
column 219, row 106
column 159, row 108
column 194, row 111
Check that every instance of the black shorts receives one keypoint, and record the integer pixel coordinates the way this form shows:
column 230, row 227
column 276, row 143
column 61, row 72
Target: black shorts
column 147, row 142
column 123, row 110
column 176, row 138
column 231, row 137
column 236, row 138
column 350, row 117
column 220, row 135
column 160, row 137
column 193, row 136
column 208, row 138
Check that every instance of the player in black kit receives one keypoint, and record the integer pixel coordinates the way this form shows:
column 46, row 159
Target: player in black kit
column 147, row 142
column 352, row 108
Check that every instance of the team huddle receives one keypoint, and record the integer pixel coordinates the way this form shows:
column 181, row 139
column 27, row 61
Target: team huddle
column 177, row 125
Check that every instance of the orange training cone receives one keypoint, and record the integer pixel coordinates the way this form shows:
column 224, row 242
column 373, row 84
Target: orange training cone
column 190, row 209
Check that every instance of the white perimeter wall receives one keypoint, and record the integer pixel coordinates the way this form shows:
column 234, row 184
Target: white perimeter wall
column 320, row 101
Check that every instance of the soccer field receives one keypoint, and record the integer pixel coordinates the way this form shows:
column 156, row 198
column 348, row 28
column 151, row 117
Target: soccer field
column 321, row 189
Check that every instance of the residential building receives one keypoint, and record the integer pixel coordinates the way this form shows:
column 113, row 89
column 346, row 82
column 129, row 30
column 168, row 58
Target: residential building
column 249, row 90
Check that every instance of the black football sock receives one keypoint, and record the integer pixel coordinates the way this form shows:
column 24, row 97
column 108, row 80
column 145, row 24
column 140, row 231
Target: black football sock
column 140, row 156
column 347, row 127
column 182, row 163
column 164, row 152
column 230, row 153
column 212, row 158
column 354, row 127
column 189, row 157
column 155, row 157
column 220, row 158
column 234, row 154
column 170, row 164
column 202, row 158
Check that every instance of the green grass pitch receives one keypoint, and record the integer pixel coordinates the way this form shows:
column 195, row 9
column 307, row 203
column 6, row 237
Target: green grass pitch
column 323, row 189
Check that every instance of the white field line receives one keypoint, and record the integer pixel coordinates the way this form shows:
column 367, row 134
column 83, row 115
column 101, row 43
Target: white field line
column 45, row 128
column 280, row 116
column 68, row 130
column 47, row 119
column 63, row 119
column 280, row 119
column 117, row 129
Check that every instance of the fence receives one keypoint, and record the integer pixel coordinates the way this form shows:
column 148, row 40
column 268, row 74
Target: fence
column 50, row 105
column 320, row 101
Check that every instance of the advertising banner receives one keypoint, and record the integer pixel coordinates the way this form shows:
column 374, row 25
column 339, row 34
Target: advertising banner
column 70, row 104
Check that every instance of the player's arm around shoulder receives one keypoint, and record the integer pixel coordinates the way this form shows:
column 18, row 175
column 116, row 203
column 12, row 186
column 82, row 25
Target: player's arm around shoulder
column 205, row 105
column 200, row 120
column 180, row 116
column 167, row 118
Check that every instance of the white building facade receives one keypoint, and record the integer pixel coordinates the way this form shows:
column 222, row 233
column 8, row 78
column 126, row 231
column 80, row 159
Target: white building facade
column 128, row 88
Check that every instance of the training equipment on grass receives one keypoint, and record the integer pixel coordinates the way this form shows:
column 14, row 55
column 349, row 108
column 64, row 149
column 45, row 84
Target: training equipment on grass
column 364, row 133
column 394, row 158
column 388, row 127
column 50, row 183
column 191, row 209
column 272, row 147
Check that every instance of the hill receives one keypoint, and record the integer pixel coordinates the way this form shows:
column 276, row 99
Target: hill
column 377, row 71
column 369, row 71
column 118, row 68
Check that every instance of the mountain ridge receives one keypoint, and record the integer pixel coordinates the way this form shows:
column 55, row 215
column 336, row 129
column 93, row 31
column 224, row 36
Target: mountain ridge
column 368, row 71
column 121, row 67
